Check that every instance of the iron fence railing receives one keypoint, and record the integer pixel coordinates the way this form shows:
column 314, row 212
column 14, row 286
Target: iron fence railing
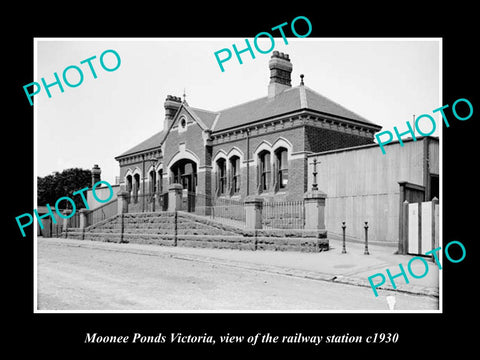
column 283, row 215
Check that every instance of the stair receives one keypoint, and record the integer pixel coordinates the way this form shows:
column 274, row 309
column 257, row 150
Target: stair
column 191, row 230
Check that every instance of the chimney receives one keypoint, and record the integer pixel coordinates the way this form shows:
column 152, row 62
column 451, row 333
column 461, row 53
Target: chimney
column 172, row 104
column 95, row 174
column 280, row 73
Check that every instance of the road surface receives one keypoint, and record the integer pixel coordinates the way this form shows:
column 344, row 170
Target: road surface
column 85, row 278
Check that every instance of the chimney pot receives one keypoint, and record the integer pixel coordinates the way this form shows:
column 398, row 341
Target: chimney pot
column 280, row 73
column 172, row 104
column 95, row 174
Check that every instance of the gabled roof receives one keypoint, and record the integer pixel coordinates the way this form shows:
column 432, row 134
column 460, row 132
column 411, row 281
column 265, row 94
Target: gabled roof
column 205, row 118
column 290, row 100
column 293, row 99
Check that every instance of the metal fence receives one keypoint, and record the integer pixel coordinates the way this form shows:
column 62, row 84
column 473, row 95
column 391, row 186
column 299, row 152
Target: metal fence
column 275, row 215
column 149, row 202
column 283, row 215
column 229, row 210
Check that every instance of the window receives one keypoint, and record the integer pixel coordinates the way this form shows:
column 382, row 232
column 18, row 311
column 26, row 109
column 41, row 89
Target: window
column 136, row 187
column 160, row 182
column 153, row 182
column 221, row 176
column 235, row 175
column 282, row 168
column 129, row 186
column 264, row 171
column 182, row 124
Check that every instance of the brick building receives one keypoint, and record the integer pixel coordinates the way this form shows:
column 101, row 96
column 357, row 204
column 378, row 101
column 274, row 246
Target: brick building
column 256, row 148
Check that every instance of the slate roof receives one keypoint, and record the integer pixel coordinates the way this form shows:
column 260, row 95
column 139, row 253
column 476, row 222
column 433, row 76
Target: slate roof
column 208, row 117
column 293, row 99
column 151, row 143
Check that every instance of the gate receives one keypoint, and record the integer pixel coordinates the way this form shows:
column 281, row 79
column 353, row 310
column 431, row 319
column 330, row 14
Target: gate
column 421, row 226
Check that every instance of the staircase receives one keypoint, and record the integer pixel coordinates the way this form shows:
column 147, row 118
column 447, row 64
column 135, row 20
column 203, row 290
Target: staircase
column 191, row 230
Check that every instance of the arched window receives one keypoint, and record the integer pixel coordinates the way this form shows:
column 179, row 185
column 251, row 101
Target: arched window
column 221, row 176
column 152, row 176
column 234, row 175
column 281, row 164
column 264, row 171
column 129, row 185
column 160, row 181
column 136, row 186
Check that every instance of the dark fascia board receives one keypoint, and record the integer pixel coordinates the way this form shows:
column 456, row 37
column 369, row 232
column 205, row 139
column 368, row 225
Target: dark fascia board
column 140, row 152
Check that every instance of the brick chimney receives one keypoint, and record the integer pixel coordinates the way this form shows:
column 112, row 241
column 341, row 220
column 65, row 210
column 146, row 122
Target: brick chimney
column 95, row 174
column 280, row 73
column 172, row 104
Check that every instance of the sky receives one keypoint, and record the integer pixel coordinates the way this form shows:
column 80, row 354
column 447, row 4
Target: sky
column 384, row 80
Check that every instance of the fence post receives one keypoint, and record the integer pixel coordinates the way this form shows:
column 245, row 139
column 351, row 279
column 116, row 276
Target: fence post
column 174, row 197
column 314, row 210
column 65, row 221
column 83, row 220
column 122, row 226
column 122, row 202
column 175, row 229
column 253, row 212
column 365, row 252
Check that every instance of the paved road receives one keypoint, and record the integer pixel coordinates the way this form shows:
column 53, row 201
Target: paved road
column 85, row 278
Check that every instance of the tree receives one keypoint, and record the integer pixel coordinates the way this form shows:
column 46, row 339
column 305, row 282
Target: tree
column 52, row 187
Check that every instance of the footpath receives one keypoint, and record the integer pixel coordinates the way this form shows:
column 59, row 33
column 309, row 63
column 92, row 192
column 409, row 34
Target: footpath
column 352, row 268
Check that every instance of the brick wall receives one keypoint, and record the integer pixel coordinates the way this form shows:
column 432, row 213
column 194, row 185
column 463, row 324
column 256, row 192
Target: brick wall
column 297, row 167
column 192, row 137
column 320, row 139
column 302, row 138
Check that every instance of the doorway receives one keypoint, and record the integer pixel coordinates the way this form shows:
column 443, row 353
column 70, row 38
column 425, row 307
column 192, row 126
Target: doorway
column 184, row 172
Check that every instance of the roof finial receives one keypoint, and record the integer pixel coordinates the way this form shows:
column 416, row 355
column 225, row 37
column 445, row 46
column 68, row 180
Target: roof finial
column 301, row 79
column 184, row 95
